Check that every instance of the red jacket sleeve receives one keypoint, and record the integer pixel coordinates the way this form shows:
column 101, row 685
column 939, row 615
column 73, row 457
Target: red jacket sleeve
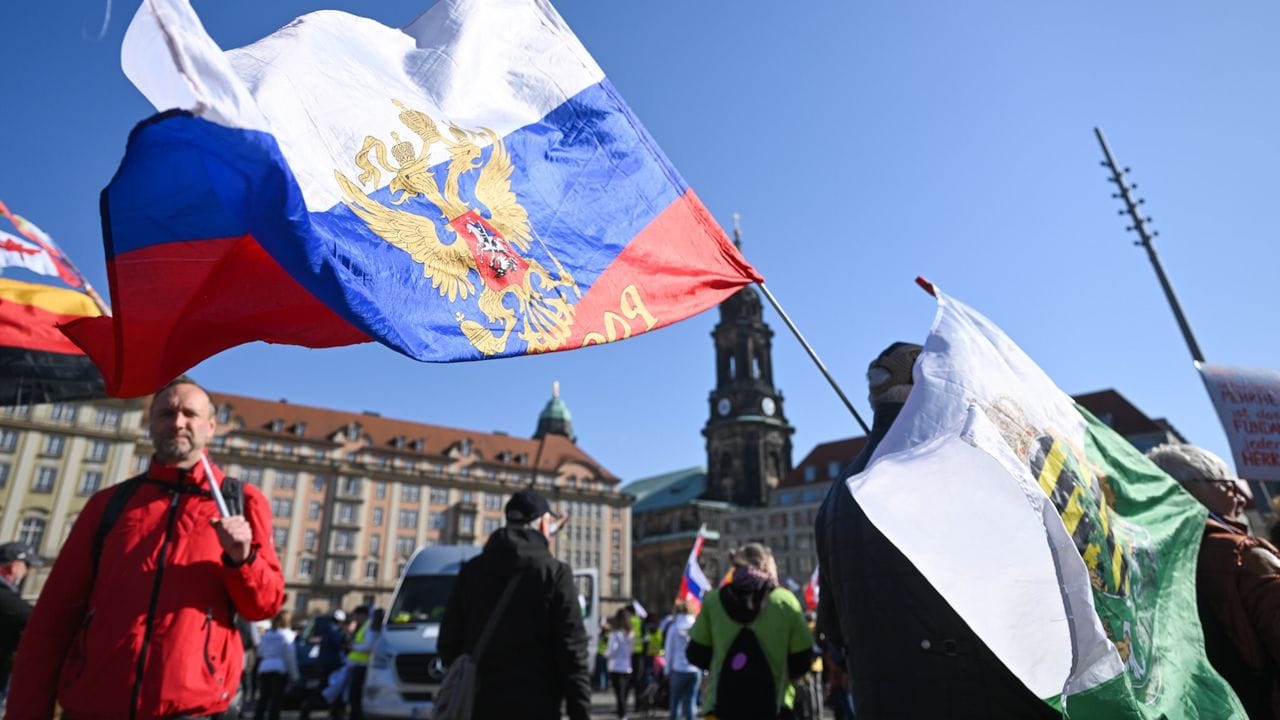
column 257, row 586
column 57, row 618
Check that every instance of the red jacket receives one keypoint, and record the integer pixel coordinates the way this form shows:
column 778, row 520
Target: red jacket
column 161, row 583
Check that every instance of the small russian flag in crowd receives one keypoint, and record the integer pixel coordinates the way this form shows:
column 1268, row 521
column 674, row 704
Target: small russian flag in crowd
column 694, row 583
column 812, row 591
column 468, row 186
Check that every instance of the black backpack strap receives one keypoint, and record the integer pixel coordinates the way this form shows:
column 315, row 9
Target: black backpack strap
column 110, row 514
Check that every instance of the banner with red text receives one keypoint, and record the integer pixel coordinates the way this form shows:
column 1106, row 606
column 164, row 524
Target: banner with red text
column 1248, row 404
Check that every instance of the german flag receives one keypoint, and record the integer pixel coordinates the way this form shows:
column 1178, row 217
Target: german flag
column 38, row 364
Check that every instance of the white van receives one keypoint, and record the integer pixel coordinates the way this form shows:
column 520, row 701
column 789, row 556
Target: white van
column 404, row 669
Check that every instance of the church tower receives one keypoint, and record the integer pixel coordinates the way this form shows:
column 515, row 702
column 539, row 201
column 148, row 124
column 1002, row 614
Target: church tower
column 748, row 436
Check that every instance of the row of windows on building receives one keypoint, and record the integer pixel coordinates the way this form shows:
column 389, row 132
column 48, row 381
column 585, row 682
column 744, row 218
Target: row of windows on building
column 833, row 471
column 345, row 540
column 794, row 497
column 590, row 558
column 797, row 567
column 46, row 478
column 54, row 445
column 340, row 569
column 759, row 522
column 103, row 417
column 347, row 514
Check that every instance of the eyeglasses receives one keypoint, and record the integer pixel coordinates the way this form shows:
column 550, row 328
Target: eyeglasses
column 1225, row 484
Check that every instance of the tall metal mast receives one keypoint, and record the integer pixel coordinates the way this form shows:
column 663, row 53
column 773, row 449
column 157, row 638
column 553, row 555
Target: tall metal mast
column 1125, row 192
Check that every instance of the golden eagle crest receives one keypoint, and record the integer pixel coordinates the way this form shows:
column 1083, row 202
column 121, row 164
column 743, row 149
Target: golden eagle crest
column 494, row 246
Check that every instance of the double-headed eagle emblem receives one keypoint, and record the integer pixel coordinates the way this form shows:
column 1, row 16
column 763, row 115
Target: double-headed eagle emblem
column 490, row 237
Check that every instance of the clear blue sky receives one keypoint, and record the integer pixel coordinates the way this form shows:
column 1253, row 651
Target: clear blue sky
column 947, row 139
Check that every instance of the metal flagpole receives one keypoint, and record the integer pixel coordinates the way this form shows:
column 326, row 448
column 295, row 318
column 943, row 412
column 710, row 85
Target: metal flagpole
column 214, row 487
column 1140, row 225
column 816, row 360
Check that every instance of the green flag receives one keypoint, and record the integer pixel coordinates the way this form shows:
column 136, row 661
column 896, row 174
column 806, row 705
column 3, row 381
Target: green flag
column 1066, row 550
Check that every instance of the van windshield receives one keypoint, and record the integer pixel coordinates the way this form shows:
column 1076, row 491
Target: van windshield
column 422, row 598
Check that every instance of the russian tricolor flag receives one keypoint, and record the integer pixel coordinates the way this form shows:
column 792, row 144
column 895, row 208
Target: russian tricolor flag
column 694, row 583
column 468, row 186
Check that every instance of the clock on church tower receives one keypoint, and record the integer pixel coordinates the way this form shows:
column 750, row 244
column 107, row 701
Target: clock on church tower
column 748, row 436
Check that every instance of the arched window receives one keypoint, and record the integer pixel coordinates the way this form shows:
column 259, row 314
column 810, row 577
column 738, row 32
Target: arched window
column 31, row 533
column 755, row 367
column 733, row 367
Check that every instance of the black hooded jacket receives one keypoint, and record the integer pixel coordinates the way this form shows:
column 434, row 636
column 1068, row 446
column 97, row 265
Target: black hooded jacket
column 909, row 654
column 538, row 654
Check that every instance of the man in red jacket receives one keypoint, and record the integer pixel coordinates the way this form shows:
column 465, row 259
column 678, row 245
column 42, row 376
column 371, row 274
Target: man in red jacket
column 146, row 628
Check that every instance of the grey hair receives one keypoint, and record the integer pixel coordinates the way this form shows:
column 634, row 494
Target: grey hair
column 1189, row 463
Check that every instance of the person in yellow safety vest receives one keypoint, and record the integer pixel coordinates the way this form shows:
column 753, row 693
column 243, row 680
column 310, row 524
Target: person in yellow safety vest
column 637, row 635
column 601, row 676
column 358, row 658
column 653, row 649
column 638, row 672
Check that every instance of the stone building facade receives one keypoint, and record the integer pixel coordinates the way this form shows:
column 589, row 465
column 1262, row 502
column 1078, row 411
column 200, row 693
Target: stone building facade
column 352, row 495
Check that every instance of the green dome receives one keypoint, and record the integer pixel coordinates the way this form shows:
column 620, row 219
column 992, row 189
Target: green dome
column 555, row 410
column 555, row 418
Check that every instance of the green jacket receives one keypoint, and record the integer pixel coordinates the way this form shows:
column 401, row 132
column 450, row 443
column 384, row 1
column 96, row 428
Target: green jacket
column 780, row 628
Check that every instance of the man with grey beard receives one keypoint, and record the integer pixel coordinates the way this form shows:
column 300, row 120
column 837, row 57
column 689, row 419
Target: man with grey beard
column 137, row 618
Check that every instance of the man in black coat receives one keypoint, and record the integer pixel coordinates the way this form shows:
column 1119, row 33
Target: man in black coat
column 537, row 656
column 15, row 559
column 909, row 654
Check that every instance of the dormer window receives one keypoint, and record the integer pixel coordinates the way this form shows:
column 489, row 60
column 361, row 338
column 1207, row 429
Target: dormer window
column 464, row 447
column 522, row 459
column 277, row 425
column 398, row 442
column 299, row 428
column 419, row 445
column 353, row 431
column 224, row 413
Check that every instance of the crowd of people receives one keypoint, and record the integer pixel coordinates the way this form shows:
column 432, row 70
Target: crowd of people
column 312, row 665
column 165, row 602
